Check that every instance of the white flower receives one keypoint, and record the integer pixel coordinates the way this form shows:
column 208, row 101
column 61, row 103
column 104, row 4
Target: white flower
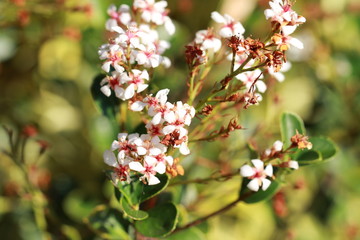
column 257, row 174
column 230, row 27
column 110, row 82
column 135, row 81
column 130, row 37
column 118, row 16
column 126, row 145
column 149, row 169
column 147, row 56
column 282, row 13
column 277, row 146
column 113, row 56
column 207, row 40
column 248, row 78
column 121, row 168
column 293, row 164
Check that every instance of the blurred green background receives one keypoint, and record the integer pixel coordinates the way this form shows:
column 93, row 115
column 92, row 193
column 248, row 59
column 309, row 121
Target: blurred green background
column 48, row 59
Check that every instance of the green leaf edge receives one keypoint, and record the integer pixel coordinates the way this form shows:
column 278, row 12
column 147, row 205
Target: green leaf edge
column 127, row 208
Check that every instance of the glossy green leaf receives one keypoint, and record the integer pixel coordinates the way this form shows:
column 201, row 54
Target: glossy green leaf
column 192, row 233
column 137, row 192
column 325, row 146
column 289, row 124
column 108, row 223
column 131, row 211
column 323, row 149
column 254, row 197
column 162, row 221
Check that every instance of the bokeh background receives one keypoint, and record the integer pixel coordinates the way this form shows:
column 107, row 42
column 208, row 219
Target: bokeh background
column 48, row 60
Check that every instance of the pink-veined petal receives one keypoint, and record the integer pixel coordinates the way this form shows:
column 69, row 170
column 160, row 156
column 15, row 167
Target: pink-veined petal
column 258, row 164
column 150, row 161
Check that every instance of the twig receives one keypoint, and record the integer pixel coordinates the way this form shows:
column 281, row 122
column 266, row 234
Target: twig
column 221, row 210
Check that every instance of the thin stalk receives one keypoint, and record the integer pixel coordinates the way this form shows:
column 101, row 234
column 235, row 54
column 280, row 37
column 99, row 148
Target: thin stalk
column 205, row 180
column 220, row 211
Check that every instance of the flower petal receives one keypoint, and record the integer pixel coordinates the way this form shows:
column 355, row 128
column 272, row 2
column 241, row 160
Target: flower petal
column 246, row 171
column 269, row 170
column 258, row 164
column 152, row 180
column 254, row 185
column 265, row 184
column 136, row 166
column 109, row 158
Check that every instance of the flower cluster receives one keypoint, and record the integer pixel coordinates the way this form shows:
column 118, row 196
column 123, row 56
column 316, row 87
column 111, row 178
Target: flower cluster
column 147, row 154
column 136, row 48
column 136, row 45
column 274, row 157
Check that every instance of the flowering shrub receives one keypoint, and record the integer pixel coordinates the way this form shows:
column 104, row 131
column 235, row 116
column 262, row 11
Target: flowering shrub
column 143, row 162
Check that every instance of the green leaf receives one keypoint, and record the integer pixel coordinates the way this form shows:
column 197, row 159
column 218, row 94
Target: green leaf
column 325, row 146
column 107, row 105
column 131, row 212
column 137, row 192
column 260, row 195
column 192, row 233
column 289, row 124
column 322, row 150
column 162, row 220
column 108, row 223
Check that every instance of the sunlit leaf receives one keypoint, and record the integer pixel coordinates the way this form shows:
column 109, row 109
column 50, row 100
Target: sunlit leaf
column 289, row 124
column 131, row 212
column 162, row 220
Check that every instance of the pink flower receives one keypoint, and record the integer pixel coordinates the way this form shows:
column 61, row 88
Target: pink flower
column 257, row 174
column 135, row 81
